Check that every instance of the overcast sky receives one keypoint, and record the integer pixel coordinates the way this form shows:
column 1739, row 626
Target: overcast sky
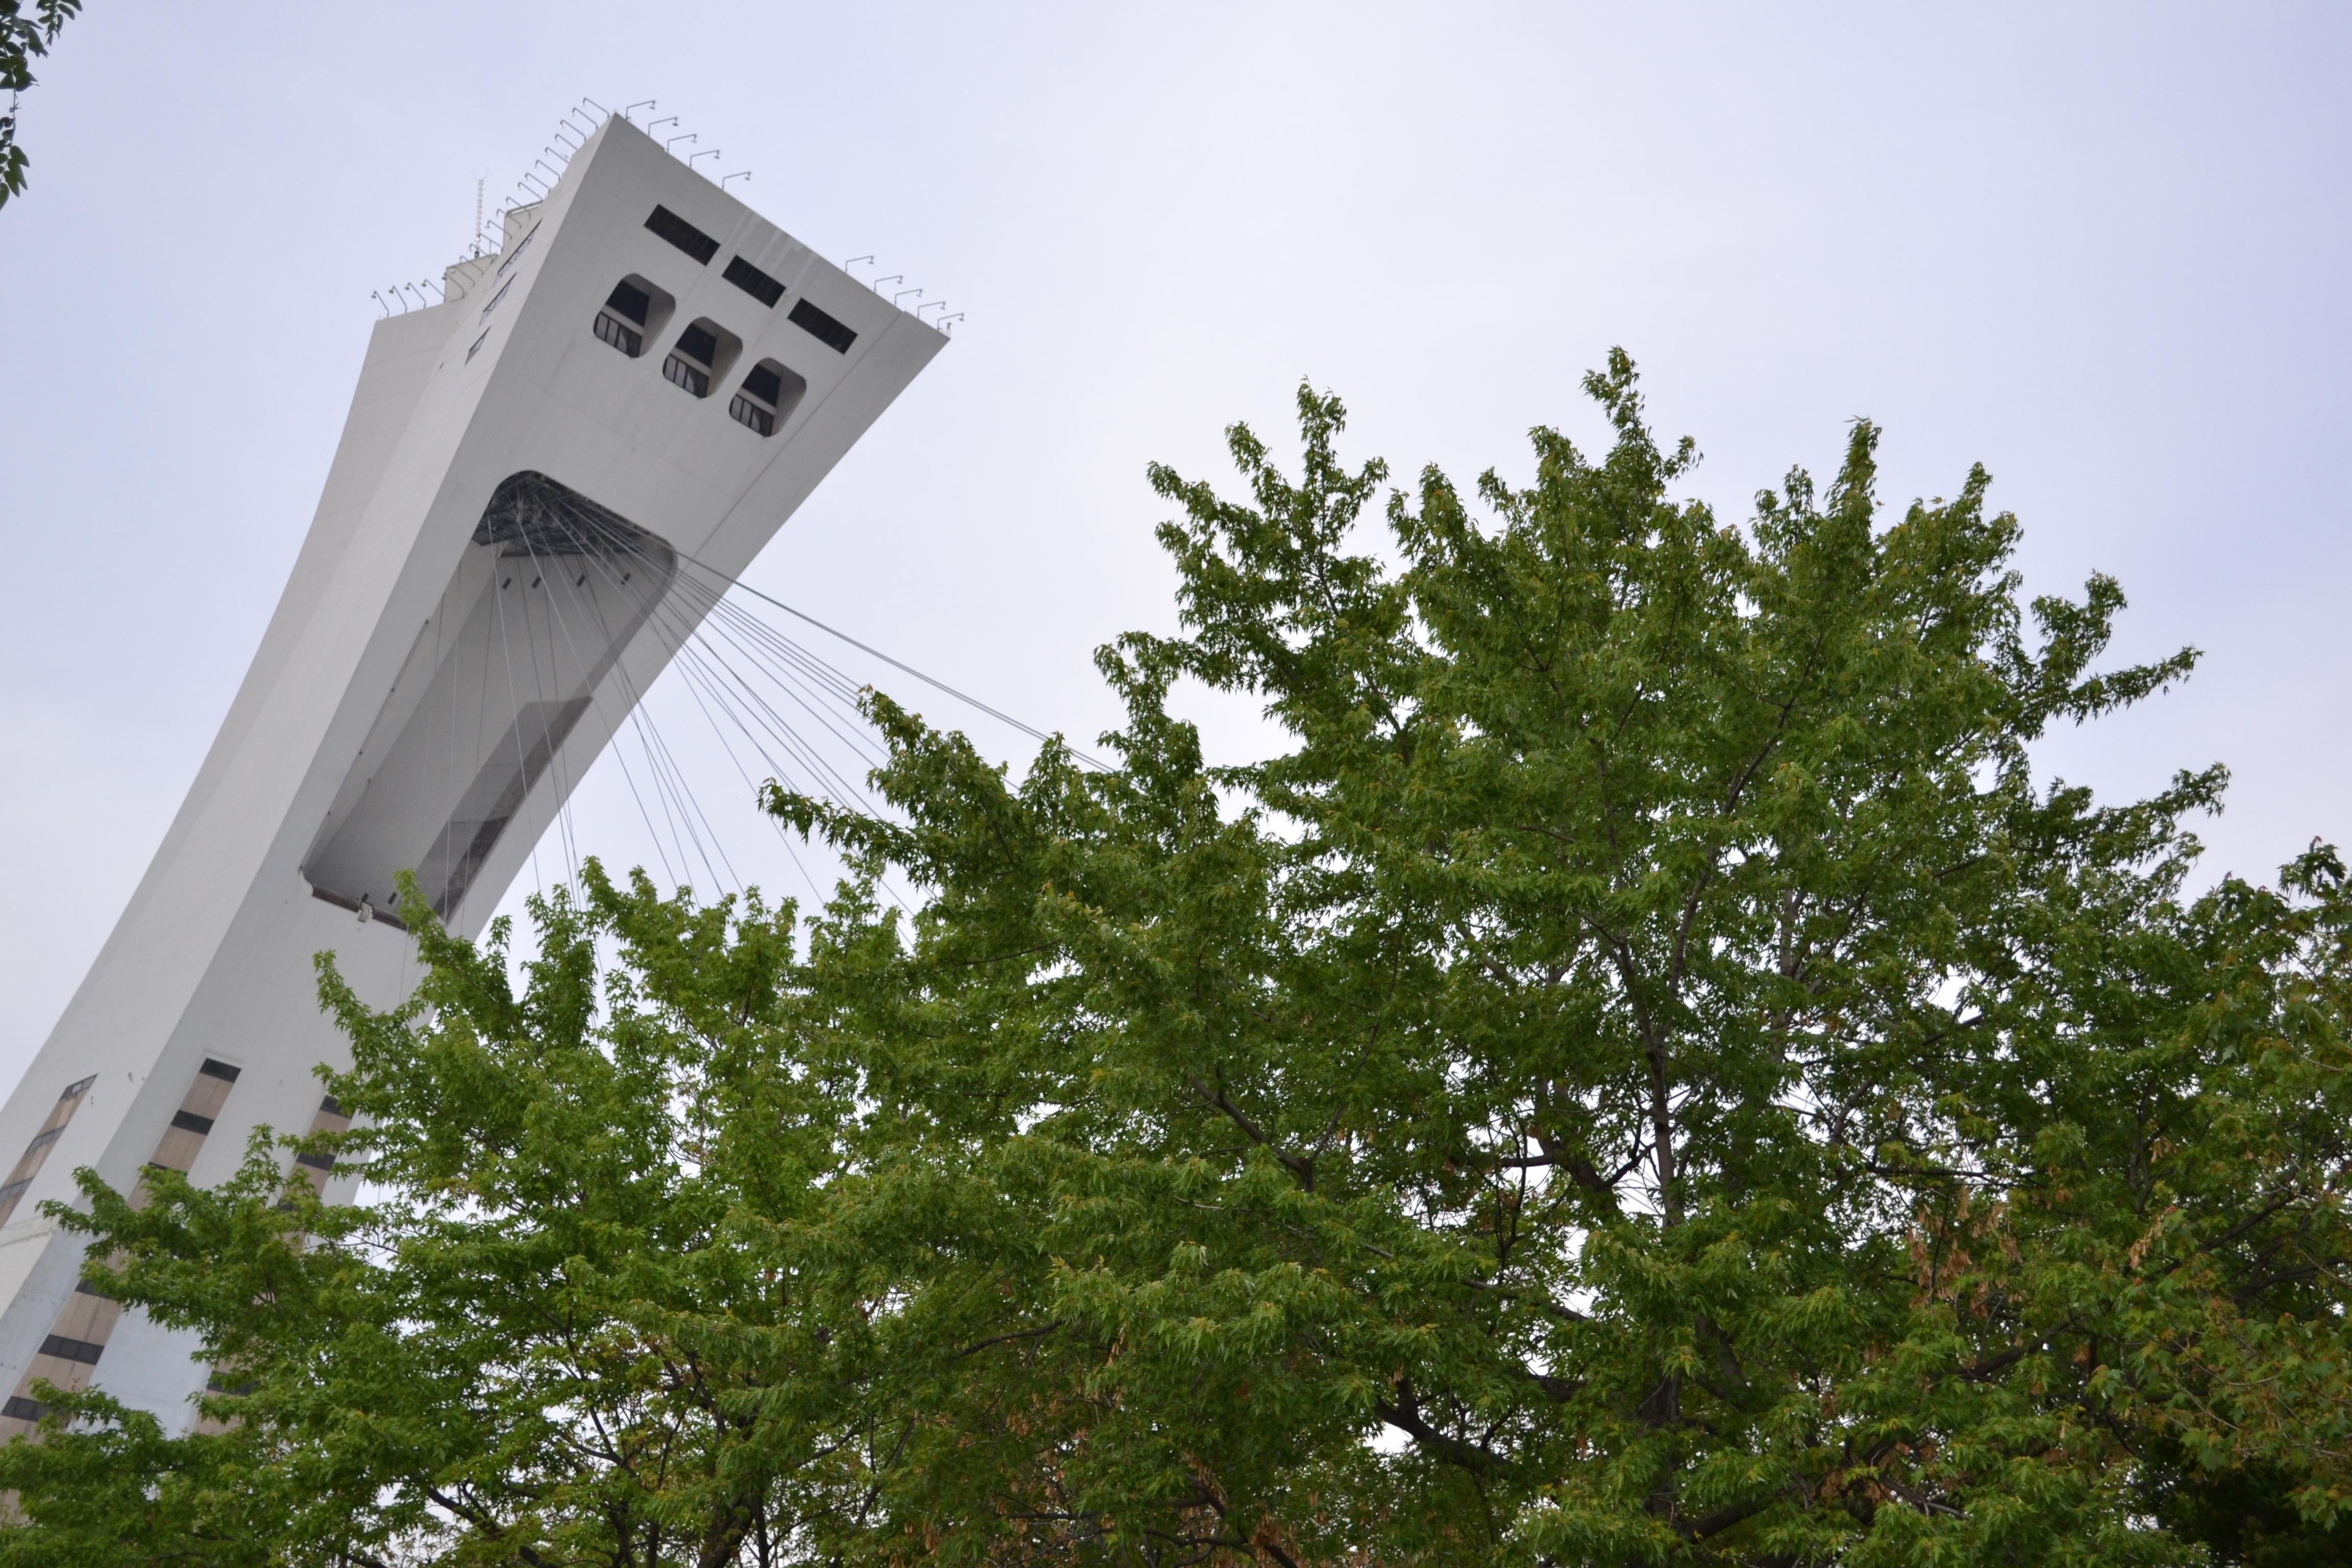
column 2100, row 248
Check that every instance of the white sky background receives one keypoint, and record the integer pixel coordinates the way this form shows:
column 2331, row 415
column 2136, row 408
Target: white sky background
column 2101, row 249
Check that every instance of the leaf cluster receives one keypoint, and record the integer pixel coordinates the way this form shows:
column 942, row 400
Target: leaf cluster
column 23, row 40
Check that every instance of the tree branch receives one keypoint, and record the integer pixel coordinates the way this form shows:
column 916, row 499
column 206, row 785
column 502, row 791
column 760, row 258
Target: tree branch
column 1405, row 1415
column 1298, row 1165
column 1038, row 1333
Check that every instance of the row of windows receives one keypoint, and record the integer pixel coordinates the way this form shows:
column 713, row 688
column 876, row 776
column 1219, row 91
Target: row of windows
column 702, row 355
column 705, row 351
column 37, row 1151
column 79, row 1336
column 834, row 334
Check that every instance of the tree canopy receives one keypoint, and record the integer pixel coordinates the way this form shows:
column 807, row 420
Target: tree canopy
column 1645, row 1071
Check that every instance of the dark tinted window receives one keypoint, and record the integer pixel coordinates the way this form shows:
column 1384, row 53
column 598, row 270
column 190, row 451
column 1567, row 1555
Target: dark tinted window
column 753, row 281
column 821, row 327
column 631, row 301
column 696, row 343
column 683, row 235
column 764, row 384
column 611, row 329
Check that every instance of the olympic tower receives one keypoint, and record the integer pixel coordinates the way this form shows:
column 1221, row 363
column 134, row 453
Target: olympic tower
column 648, row 374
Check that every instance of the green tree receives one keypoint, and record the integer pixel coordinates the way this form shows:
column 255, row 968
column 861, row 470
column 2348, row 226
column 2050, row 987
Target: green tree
column 1644, row 1073
column 23, row 40
column 596, row 1317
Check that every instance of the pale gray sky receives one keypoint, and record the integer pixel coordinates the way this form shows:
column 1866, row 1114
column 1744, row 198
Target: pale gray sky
column 2102, row 248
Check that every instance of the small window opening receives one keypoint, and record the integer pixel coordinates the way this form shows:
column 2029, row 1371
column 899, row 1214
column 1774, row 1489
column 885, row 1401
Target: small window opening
column 690, row 364
column 822, row 327
column 683, row 235
column 622, row 321
column 701, row 355
column 753, row 282
column 516, row 254
column 632, row 311
column 767, row 398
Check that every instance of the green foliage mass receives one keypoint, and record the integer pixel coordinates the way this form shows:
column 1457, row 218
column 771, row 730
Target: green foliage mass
column 23, row 40
column 1644, row 1073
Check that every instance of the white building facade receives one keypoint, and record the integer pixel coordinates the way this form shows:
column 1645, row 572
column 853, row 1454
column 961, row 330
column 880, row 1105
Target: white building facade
column 648, row 374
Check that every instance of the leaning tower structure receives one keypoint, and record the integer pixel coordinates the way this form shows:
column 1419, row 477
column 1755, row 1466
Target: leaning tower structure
column 648, row 374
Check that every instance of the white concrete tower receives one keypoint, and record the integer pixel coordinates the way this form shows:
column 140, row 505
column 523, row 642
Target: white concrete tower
column 648, row 373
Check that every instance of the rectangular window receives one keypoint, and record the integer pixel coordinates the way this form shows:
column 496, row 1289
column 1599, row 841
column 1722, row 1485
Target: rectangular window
column 683, row 235
column 65, row 1349
column 753, row 281
column 628, row 339
column 497, row 297
column 189, row 1122
column 746, row 412
column 821, row 327
column 690, row 364
column 220, row 1070
column 74, row 1089
column 517, row 255
column 477, row 344
column 19, row 1408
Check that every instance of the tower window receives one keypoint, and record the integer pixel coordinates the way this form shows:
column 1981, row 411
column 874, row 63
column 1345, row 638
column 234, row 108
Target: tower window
column 690, row 364
column 683, row 235
column 516, row 254
column 626, row 339
column 629, row 300
column 767, row 398
column 622, row 321
column 701, row 355
column 633, row 308
column 753, row 281
column 821, row 327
